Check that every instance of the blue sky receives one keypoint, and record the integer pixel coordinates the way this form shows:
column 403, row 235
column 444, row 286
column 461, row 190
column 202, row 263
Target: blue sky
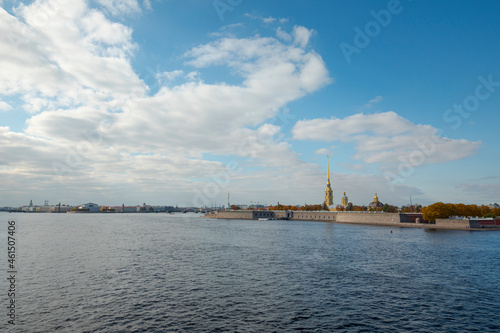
column 181, row 102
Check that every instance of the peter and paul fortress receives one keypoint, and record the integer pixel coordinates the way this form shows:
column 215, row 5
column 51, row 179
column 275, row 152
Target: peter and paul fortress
column 372, row 216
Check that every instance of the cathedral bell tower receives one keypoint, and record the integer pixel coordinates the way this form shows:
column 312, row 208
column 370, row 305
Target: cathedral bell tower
column 345, row 201
column 328, row 189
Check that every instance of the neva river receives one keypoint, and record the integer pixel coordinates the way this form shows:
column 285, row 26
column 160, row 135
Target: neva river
column 183, row 273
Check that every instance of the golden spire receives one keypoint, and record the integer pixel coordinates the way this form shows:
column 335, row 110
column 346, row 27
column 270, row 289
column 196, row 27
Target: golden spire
column 375, row 198
column 328, row 189
column 328, row 167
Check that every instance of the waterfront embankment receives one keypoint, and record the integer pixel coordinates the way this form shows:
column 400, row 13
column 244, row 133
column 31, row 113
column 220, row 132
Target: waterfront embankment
column 402, row 220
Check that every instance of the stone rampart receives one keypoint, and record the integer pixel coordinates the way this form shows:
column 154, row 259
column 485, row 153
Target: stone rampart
column 235, row 214
column 411, row 217
column 452, row 224
column 366, row 218
column 315, row 216
column 373, row 218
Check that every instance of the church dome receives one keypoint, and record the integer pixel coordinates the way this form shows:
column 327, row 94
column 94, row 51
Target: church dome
column 375, row 203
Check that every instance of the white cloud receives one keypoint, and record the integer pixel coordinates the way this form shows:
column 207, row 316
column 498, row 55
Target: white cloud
column 59, row 52
column 322, row 151
column 120, row 7
column 169, row 76
column 153, row 143
column 335, row 129
column 282, row 34
column 386, row 138
column 99, row 31
column 377, row 99
column 267, row 20
column 192, row 76
column 5, row 106
column 302, row 35
column 275, row 72
column 372, row 102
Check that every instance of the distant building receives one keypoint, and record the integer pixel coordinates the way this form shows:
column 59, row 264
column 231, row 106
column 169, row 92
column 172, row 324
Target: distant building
column 60, row 208
column 129, row 209
column 375, row 203
column 90, row 207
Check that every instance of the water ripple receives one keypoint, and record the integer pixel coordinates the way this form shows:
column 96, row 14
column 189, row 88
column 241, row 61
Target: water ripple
column 163, row 273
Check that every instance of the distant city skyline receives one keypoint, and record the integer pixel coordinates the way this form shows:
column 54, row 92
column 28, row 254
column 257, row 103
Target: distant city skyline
column 181, row 102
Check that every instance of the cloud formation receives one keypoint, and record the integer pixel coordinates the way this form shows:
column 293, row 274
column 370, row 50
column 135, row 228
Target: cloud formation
column 96, row 127
column 386, row 138
column 96, row 131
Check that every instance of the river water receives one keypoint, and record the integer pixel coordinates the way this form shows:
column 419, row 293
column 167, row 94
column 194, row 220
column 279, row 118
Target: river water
column 184, row 273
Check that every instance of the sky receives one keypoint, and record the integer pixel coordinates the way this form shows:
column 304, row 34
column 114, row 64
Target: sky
column 171, row 102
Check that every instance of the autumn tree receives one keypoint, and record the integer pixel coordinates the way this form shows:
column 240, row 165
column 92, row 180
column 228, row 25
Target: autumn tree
column 390, row 208
column 310, row 208
column 411, row 208
column 485, row 210
column 435, row 211
column 442, row 210
column 495, row 211
column 282, row 207
column 356, row 208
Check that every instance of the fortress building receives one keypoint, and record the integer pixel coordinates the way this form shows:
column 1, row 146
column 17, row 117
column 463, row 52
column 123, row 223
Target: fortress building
column 328, row 189
column 375, row 203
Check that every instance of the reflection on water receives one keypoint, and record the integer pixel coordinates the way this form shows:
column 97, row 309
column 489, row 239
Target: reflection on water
column 162, row 272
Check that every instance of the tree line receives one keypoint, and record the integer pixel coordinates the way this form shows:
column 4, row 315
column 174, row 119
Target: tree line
column 441, row 210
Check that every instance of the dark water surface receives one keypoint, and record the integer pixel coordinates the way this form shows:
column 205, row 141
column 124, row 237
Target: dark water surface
column 183, row 273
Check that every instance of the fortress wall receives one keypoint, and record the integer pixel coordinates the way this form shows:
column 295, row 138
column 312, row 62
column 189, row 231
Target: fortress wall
column 262, row 214
column 369, row 218
column 235, row 214
column 452, row 224
column 315, row 216
column 346, row 217
column 280, row 214
column 411, row 217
